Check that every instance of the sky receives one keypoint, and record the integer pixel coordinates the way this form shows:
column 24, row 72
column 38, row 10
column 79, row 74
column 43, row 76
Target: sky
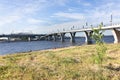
column 47, row 16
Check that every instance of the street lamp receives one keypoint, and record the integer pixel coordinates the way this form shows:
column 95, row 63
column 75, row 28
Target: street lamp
column 111, row 20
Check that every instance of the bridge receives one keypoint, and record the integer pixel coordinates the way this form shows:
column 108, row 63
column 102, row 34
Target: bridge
column 61, row 35
column 88, row 33
column 28, row 37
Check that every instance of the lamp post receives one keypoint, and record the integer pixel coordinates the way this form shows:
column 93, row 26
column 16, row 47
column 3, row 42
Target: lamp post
column 111, row 20
column 86, row 24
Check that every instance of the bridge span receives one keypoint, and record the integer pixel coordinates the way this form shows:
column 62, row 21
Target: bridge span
column 23, row 36
column 61, row 35
column 88, row 33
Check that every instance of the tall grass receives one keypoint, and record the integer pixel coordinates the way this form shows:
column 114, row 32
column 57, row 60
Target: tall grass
column 73, row 63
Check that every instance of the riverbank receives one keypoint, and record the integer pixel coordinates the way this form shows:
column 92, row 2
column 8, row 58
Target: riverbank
column 72, row 63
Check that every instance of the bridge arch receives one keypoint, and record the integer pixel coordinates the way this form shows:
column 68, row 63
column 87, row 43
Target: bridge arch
column 67, row 37
column 80, row 37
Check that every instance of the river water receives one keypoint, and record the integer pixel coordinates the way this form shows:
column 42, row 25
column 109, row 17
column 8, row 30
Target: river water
column 15, row 47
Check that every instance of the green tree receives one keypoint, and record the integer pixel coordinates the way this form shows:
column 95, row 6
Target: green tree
column 100, row 46
column 99, row 57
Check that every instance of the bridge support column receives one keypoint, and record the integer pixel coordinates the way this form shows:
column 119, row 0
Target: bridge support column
column 50, row 37
column 72, row 37
column 8, row 38
column 38, row 37
column 62, row 35
column 54, row 37
column 88, row 38
column 116, row 35
column 29, row 38
column 47, row 38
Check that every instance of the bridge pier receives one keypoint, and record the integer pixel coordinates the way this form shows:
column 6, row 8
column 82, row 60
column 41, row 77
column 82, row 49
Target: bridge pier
column 62, row 35
column 8, row 38
column 116, row 35
column 29, row 38
column 72, row 40
column 46, row 38
column 38, row 37
column 54, row 37
column 88, row 38
column 50, row 37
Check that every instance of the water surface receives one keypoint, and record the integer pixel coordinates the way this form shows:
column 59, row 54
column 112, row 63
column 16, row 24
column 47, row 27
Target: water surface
column 15, row 47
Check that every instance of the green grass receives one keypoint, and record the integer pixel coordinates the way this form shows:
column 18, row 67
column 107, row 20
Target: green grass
column 73, row 63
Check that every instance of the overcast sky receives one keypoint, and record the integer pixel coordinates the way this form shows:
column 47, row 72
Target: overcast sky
column 43, row 16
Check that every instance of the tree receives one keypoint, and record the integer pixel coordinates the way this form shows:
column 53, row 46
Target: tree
column 100, row 47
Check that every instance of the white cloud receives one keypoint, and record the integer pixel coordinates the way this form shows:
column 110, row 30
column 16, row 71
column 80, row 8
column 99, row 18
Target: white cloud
column 76, row 16
column 103, row 13
column 8, row 19
column 34, row 21
column 20, row 12
column 84, row 3
column 94, row 16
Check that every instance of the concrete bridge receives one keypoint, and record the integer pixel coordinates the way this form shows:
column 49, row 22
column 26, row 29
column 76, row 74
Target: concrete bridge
column 88, row 32
column 28, row 37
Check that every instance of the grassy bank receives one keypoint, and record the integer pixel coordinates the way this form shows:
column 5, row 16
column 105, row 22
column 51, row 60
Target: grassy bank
column 73, row 63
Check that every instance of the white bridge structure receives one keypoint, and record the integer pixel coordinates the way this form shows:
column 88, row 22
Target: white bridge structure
column 88, row 33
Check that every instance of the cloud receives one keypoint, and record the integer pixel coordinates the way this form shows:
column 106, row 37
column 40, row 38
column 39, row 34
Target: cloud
column 20, row 11
column 35, row 21
column 83, row 3
column 25, row 9
column 36, row 15
column 75, row 16
column 104, row 12
column 93, row 16
column 8, row 19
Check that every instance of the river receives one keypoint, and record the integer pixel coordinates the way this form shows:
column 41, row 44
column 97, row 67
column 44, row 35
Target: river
column 16, row 47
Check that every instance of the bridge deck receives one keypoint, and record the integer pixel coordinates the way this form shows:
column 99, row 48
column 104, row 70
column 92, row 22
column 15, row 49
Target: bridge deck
column 90, row 29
